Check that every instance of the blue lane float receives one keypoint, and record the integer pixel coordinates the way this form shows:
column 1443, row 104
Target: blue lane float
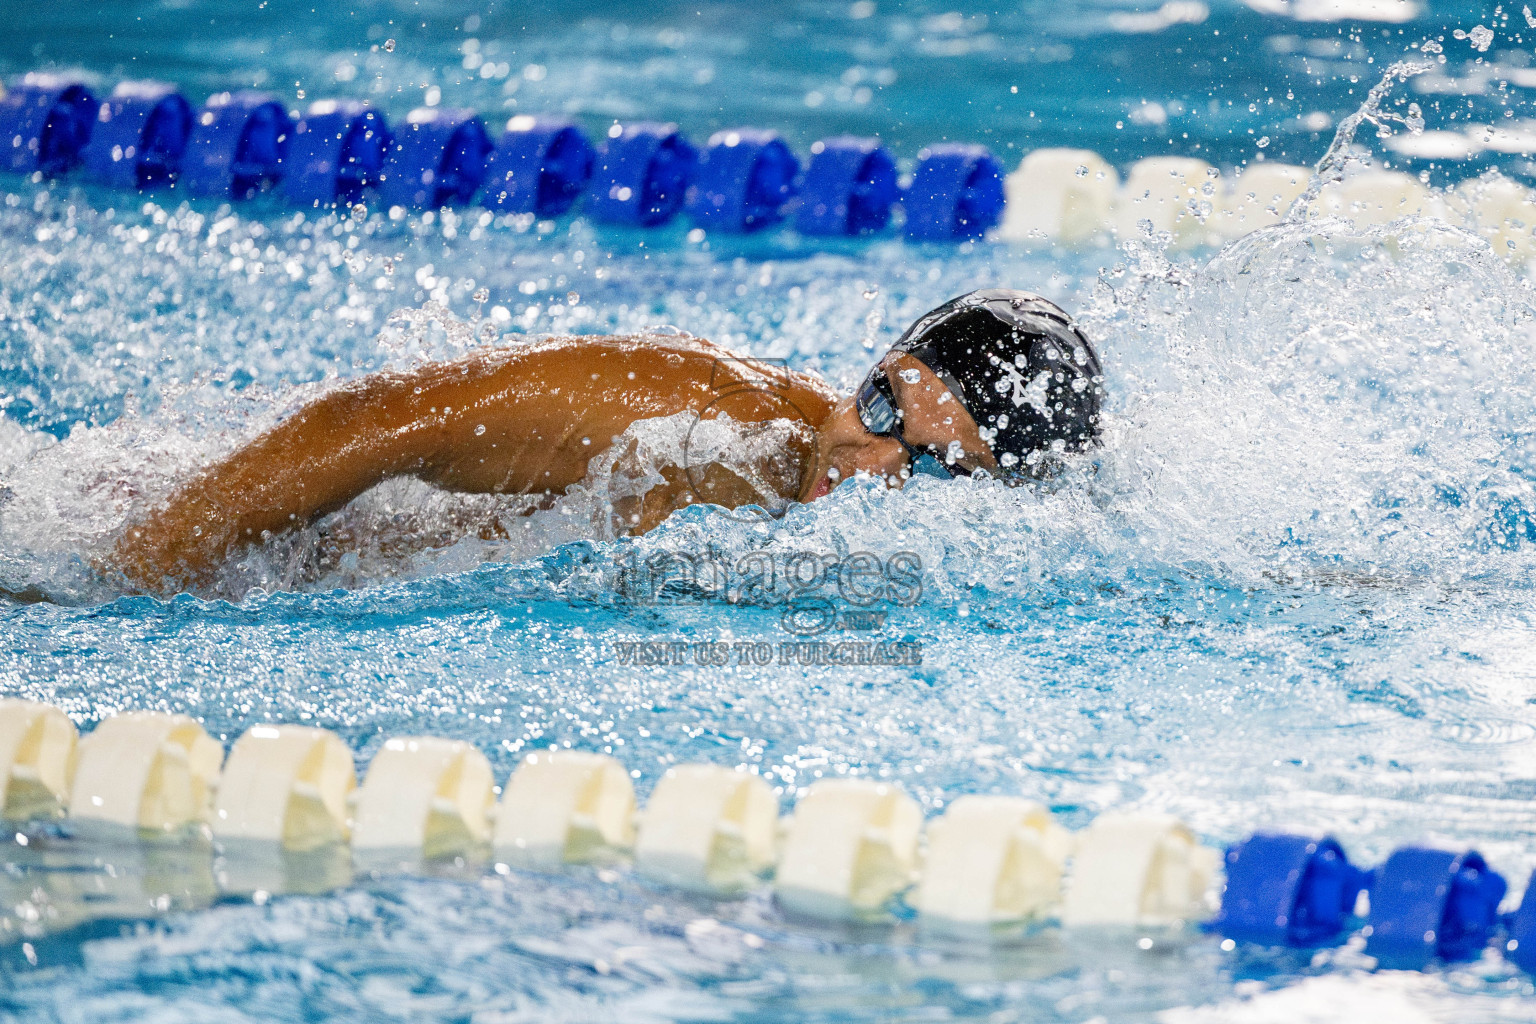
column 742, row 182
column 1288, row 890
column 140, row 137
column 956, row 193
column 1429, row 903
column 540, row 165
column 849, row 188
column 1520, row 941
column 642, row 174
column 437, row 159
column 238, row 144
column 336, row 153
column 45, row 121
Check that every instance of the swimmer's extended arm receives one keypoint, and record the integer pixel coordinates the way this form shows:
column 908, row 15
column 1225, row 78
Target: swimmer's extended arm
column 315, row 461
column 525, row 422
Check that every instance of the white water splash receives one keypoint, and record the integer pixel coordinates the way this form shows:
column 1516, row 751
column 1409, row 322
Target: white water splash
column 1340, row 155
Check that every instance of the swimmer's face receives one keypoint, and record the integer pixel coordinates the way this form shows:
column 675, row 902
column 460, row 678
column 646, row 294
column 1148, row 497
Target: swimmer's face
column 930, row 418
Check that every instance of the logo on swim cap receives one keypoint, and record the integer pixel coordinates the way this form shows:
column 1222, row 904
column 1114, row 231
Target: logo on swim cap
column 1035, row 393
column 1023, row 370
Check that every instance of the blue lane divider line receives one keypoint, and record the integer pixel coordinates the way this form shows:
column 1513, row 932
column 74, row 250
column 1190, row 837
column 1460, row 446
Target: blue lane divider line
column 438, row 159
column 140, row 137
column 642, row 174
column 45, row 121
column 1520, row 937
column 848, row 189
column 1288, row 890
column 743, row 181
column 336, row 154
column 541, row 165
column 146, row 135
column 1430, row 903
column 956, row 193
column 239, row 141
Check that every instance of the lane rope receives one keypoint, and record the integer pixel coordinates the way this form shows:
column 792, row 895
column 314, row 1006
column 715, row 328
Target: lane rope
column 852, row 849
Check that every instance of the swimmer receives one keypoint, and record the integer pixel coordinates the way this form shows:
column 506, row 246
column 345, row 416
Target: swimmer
column 998, row 382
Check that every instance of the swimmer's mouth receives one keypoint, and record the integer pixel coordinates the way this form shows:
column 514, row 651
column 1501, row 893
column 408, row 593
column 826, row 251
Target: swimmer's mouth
column 822, row 489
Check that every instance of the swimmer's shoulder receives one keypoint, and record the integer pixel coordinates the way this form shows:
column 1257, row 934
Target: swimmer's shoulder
column 590, row 346
column 717, row 366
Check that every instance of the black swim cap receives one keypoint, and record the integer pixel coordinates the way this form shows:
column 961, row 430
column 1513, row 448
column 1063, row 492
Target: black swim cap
column 1020, row 367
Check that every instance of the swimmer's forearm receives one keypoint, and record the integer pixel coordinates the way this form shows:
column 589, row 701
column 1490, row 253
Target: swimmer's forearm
column 314, row 462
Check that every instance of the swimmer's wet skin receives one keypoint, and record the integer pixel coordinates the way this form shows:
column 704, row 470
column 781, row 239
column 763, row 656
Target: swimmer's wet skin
column 997, row 381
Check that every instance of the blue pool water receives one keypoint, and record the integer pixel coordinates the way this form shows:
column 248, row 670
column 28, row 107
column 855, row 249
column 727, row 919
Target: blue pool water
column 1293, row 589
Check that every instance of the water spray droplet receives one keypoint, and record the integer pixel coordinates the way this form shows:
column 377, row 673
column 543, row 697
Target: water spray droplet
column 389, row 46
column 871, row 292
column 872, row 322
column 571, row 298
column 481, row 294
column 359, row 211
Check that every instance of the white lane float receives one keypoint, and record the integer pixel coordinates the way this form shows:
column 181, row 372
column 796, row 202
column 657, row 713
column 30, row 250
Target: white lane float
column 1378, row 197
column 1138, row 870
column 564, row 807
column 1065, row 195
column 427, row 795
column 1176, row 194
column 850, row 846
column 286, row 784
column 1258, row 197
column 992, row 860
column 37, row 752
column 145, row 770
column 708, row 828
column 1502, row 211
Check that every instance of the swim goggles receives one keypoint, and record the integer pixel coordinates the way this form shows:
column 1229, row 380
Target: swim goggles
column 876, row 405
